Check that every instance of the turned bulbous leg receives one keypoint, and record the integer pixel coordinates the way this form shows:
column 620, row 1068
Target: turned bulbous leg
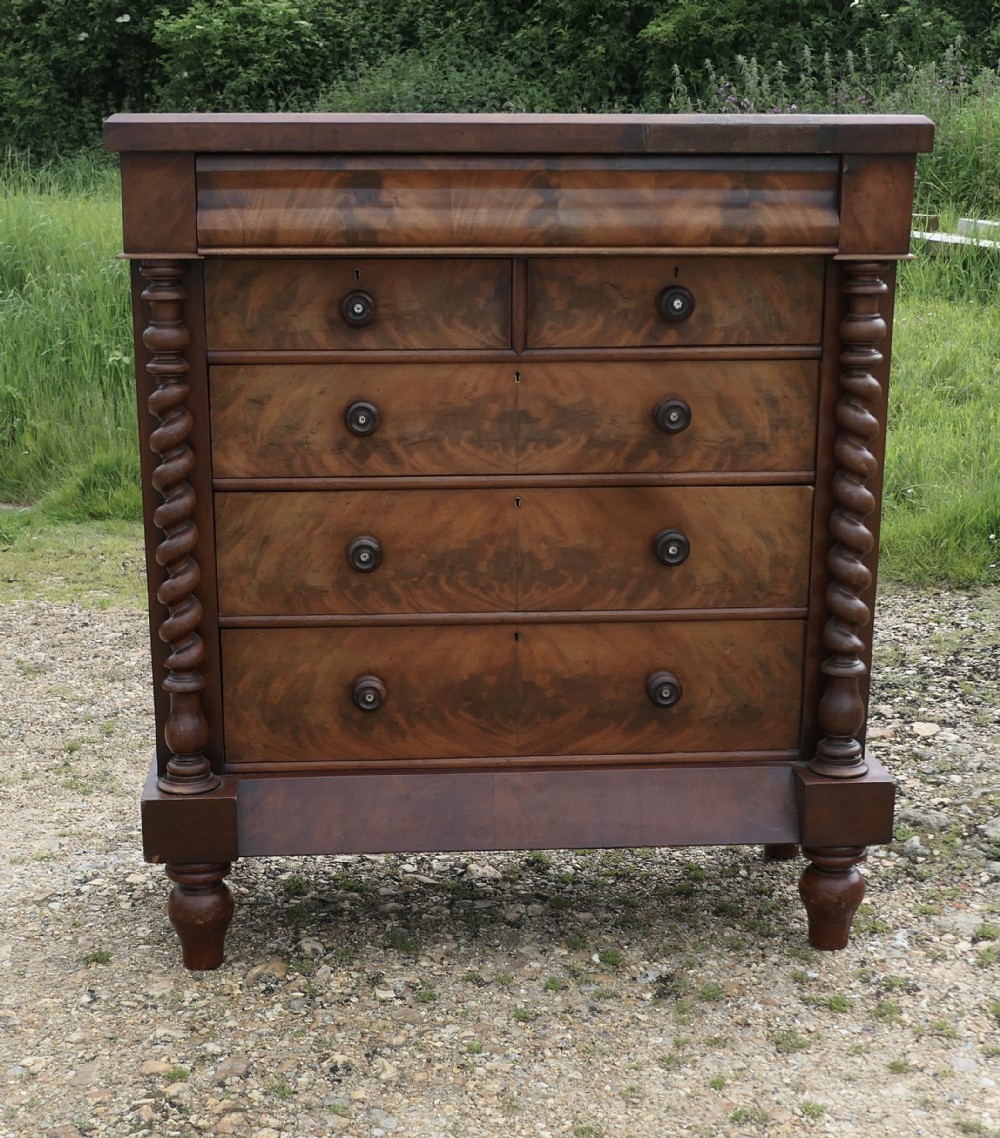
column 832, row 888
column 200, row 909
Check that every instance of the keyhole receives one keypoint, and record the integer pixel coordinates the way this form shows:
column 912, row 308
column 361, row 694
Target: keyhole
column 517, row 377
column 517, row 637
column 517, row 503
column 677, row 271
column 357, row 274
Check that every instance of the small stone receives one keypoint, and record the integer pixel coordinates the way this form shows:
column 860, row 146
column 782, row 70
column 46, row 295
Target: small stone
column 925, row 729
column 275, row 968
column 991, row 829
column 309, row 946
column 912, row 848
column 234, row 1123
column 85, row 1074
column 156, row 1067
column 232, row 1068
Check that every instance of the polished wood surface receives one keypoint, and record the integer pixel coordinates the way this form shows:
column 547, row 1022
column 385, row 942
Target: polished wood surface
column 598, row 417
column 477, row 692
column 447, row 419
column 436, row 419
column 398, row 201
column 611, row 301
column 520, row 134
column 451, row 692
column 296, row 304
column 442, row 551
column 487, row 550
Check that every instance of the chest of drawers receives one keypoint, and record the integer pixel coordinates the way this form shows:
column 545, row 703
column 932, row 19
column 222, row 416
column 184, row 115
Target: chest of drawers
column 512, row 482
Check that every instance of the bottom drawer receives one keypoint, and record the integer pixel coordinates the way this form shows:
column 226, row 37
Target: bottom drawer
column 493, row 691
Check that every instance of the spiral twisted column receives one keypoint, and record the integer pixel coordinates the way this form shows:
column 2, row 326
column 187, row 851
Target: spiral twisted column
column 188, row 771
column 839, row 754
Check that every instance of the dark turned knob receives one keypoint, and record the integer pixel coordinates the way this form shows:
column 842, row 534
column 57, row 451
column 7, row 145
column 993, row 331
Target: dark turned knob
column 368, row 693
column 364, row 554
column 357, row 308
column 361, row 418
column 675, row 303
column 671, row 546
column 664, row 689
column 672, row 415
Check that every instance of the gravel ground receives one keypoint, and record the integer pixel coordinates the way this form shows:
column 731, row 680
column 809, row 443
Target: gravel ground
column 647, row 993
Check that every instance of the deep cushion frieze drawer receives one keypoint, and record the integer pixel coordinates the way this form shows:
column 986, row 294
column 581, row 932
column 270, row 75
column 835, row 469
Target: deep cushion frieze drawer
column 300, row 304
column 616, row 302
column 391, row 200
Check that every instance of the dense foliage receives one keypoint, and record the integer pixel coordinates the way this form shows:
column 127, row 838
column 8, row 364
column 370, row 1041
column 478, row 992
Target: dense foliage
column 65, row 64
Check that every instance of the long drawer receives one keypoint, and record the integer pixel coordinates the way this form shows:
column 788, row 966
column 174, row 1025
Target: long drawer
column 375, row 551
column 489, row 692
column 372, row 420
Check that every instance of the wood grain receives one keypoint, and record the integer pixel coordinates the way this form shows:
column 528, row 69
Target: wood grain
column 451, row 692
column 585, row 548
column 582, row 687
column 434, row 419
column 286, row 553
column 259, row 303
column 611, row 301
column 402, row 200
column 597, row 417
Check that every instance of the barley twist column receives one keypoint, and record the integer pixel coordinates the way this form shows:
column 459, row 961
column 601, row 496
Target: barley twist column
column 188, row 771
column 841, row 709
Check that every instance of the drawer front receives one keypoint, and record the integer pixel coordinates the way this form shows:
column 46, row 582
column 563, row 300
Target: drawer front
column 438, row 551
column 534, row 550
column 731, row 547
column 261, row 304
column 676, row 416
column 583, row 687
column 612, row 302
column 288, row 693
column 305, row 420
column 481, row 693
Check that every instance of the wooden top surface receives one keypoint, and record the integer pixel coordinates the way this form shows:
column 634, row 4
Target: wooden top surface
column 522, row 134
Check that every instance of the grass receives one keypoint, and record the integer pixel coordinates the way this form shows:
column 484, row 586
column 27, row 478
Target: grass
column 68, row 449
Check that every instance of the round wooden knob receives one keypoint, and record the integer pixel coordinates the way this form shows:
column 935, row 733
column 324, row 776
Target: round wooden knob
column 671, row 546
column 664, row 689
column 672, row 416
column 361, row 418
column 357, row 308
column 368, row 693
column 364, row 554
column 675, row 303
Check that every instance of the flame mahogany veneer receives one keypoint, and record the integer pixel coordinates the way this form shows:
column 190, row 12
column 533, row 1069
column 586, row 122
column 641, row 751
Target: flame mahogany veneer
column 512, row 482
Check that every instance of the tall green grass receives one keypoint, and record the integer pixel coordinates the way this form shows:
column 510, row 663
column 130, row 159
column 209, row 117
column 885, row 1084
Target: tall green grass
column 66, row 402
column 67, row 419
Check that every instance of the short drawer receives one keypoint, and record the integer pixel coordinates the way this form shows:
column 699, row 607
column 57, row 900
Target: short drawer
column 619, row 302
column 531, row 550
column 705, row 415
column 261, row 304
column 315, row 420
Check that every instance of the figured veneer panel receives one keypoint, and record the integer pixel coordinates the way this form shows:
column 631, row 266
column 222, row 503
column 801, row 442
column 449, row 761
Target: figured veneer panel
column 273, row 420
column 442, row 551
column 608, row 302
column 402, row 200
column 255, row 304
column 598, row 417
column 450, row 692
column 593, row 548
column 583, row 687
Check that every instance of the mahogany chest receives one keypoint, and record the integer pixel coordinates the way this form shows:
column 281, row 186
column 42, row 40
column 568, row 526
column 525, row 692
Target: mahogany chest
column 512, row 482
